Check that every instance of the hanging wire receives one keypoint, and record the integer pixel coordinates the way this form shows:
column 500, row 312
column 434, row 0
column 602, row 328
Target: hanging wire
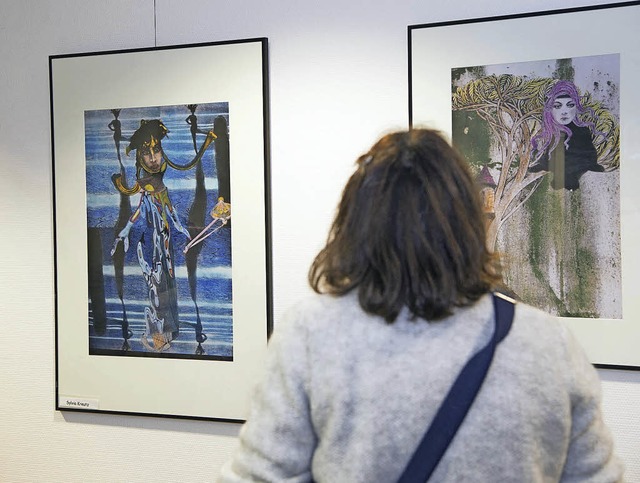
column 155, row 25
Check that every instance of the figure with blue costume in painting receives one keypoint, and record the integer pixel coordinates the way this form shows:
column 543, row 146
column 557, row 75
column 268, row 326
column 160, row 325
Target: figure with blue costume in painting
column 155, row 247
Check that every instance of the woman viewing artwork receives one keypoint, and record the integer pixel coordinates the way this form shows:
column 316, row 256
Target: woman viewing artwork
column 356, row 372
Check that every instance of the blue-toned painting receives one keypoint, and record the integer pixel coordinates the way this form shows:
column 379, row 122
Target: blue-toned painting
column 159, row 231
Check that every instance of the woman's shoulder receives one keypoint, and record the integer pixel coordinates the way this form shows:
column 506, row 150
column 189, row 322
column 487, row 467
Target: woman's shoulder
column 323, row 312
column 317, row 310
column 534, row 316
column 538, row 331
column 537, row 325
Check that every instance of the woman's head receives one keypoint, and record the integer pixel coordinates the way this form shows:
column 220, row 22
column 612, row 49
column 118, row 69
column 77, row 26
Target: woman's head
column 564, row 110
column 409, row 231
column 563, row 106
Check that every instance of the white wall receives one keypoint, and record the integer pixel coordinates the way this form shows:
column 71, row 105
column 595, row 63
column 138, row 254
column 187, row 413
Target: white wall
column 338, row 73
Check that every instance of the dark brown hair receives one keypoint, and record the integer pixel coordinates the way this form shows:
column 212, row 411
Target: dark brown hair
column 409, row 231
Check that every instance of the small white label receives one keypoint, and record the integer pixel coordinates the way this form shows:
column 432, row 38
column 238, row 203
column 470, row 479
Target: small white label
column 78, row 402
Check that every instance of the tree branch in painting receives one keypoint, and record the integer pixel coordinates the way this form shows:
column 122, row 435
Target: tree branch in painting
column 511, row 109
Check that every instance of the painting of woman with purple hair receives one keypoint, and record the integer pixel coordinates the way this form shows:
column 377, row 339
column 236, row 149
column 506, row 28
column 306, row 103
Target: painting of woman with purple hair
column 564, row 146
column 543, row 137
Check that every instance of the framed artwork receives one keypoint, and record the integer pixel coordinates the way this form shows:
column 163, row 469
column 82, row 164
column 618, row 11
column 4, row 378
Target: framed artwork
column 545, row 108
column 161, row 228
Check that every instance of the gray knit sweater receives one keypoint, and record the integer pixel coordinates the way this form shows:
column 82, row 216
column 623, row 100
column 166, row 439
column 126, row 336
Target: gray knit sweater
column 347, row 398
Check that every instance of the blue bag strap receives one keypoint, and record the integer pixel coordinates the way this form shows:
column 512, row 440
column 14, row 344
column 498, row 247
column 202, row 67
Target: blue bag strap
column 454, row 408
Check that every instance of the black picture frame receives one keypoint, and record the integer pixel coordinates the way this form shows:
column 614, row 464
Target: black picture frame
column 116, row 351
column 498, row 47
